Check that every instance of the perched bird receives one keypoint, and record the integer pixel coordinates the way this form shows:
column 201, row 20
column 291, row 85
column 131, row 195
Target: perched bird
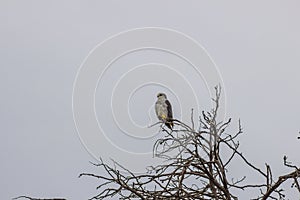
column 163, row 110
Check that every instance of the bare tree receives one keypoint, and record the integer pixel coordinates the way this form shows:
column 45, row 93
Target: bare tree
column 194, row 166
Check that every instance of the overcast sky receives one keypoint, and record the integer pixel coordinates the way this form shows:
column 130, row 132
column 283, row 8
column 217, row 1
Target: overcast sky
column 255, row 45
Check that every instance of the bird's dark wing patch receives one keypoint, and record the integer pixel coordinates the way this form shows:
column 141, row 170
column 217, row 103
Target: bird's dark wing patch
column 169, row 108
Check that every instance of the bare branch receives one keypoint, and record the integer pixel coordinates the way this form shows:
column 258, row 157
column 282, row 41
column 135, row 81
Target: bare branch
column 31, row 198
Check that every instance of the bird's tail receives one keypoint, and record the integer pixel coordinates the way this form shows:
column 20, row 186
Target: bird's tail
column 169, row 124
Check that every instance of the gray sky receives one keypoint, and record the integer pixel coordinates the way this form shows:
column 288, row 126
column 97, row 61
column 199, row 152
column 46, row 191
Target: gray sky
column 255, row 45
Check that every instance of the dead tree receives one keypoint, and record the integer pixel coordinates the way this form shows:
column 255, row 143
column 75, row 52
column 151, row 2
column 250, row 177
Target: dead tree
column 194, row 166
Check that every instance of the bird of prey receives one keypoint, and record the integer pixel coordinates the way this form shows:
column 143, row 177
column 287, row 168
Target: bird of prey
column 163, row 110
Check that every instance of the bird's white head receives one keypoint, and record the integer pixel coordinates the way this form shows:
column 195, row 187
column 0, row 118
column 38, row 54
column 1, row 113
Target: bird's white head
column 161, row 96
